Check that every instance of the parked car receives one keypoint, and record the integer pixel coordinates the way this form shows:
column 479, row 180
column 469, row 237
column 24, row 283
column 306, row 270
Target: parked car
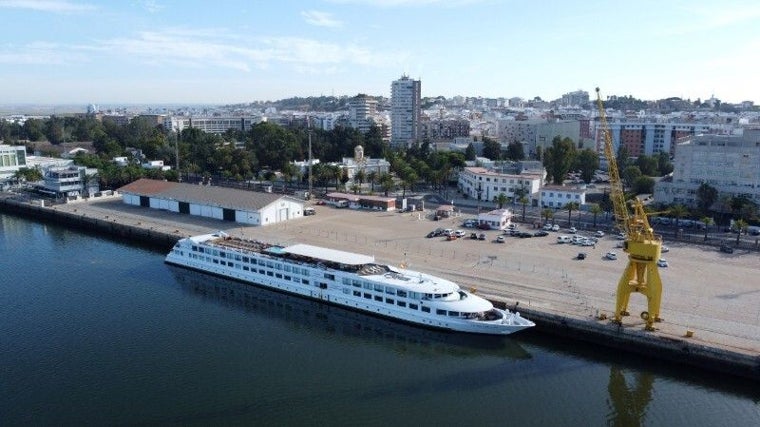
column 459, row 233
column 499, row 239
column 555, row 227
column 547, row 227
column 474, row 236
column 727, row 249
column 581, row 255
column 599, row 233
column 611, row 255
column 482, row 236
column 309, row 211
column 665, row 249
column 572, row 230
column 524, row 235
column 431, row 234
column 662, row 262
column 540, row 233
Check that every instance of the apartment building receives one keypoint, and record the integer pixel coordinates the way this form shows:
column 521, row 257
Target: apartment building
column 729, row 163
column 406, row 100
column 361, row 111
column 216, row 125
column 484, row 184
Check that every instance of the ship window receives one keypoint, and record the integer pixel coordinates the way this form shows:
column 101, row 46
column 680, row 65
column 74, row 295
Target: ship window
column 368, row 296
column 286, row 268
column 454, row 313
column 304, row 281
column 216, row 253
column 222, row 254
column 306, row 272
column 401, row 293
column 357, row 294
column 425, row 309
column 270, row 264
column 270, row 274
column 278, row 266
column 346, row 281
column 261, row 271
column 440, row 312
column 195, row 249
column 401, row 303
column 367, row 285
column 216, row 261
column 329, row 276
column 287, row 278
column 245, row 259
column 413, row 306
column 346, row 291
column 245, row 267
column 261, row 262
column 356, row 283
column 378, row 298
column 390, row 301
column 390, row 291
column 379, row 288
column 278, row 275
column 323, row 286
column 237, row 257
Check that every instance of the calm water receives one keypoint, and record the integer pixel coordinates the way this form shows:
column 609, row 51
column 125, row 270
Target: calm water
column 99, row 332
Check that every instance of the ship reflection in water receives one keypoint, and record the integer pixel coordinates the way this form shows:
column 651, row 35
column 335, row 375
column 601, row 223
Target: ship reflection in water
column 334, row 321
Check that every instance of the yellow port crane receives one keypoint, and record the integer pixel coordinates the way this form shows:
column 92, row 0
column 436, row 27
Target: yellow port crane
column 641, row 244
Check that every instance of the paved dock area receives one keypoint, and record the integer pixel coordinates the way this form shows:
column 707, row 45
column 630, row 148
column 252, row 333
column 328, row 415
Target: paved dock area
column 713, row 294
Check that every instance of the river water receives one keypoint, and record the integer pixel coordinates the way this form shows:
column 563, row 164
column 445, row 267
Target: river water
column 99, row 332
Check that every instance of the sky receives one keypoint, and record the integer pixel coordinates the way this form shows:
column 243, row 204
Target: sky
column 230, row 51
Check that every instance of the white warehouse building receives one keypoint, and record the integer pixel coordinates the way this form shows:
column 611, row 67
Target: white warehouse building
column 227, row 204
column 488, row 184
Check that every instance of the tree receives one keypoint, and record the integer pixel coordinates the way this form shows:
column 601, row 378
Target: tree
column 643, row 185
column 630, row 173
column 524, row 202
column 587, row 162
column 571, row 206
column 679, row 211
column 501, row 199
column 623, row 157
column 706, row 196
column 559, row 158
column 491, row 148
column 372, row 179
column 707, row 221
column 387, row 183
column 515, row 151
column 647, row 165
column 469, row 152
column 359, row 177
column 740, row 226
column 664, row 166
column 595, row 209
column 547, row 214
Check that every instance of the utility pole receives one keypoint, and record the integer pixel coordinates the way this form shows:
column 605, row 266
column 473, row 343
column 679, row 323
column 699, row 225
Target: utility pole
column 308, row 125
column 176, row 155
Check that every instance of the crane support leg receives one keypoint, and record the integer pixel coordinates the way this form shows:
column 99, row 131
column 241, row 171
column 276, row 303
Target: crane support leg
column 643, row 278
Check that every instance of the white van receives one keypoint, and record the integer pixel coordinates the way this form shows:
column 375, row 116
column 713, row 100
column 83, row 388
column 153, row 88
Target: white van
column 563, row 239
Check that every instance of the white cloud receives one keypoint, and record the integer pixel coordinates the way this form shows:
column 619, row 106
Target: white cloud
column 152, row 6
column 54, row 6
column 320, row 19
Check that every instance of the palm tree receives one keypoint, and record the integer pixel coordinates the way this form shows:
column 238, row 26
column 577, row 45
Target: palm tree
column 679, row 211
column 596, row 210
column 547, row 214
column 372, row 179
column 359, row 177
column 386, row 183
column 571, row 206
column 707, row 221
column 524, row 202
column 501, row 199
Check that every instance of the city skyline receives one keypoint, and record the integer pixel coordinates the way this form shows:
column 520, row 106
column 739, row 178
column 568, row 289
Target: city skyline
column 170, row 52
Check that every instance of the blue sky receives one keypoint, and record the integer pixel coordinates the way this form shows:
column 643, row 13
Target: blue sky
column 229, row 51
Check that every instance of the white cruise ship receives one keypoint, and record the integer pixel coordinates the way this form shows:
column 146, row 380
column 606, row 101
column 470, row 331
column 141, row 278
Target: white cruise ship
column 347, row 279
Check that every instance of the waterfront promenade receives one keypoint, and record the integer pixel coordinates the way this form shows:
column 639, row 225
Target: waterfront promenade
column 712, row 295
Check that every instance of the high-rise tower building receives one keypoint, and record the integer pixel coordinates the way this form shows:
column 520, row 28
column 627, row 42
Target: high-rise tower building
column 405, row 111
column 362, row 110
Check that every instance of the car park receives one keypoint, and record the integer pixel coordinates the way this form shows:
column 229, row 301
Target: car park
column 662, row 262
column 611, row 255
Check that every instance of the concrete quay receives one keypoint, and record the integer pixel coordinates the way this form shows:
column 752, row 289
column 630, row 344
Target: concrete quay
column 712, row 296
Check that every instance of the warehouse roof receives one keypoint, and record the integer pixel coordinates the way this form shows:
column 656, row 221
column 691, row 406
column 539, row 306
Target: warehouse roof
column 201, row 194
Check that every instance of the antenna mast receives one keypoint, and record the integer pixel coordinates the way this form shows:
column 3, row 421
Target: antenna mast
column 308, row 124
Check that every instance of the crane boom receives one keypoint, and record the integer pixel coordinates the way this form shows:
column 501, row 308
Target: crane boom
column 642, row 245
